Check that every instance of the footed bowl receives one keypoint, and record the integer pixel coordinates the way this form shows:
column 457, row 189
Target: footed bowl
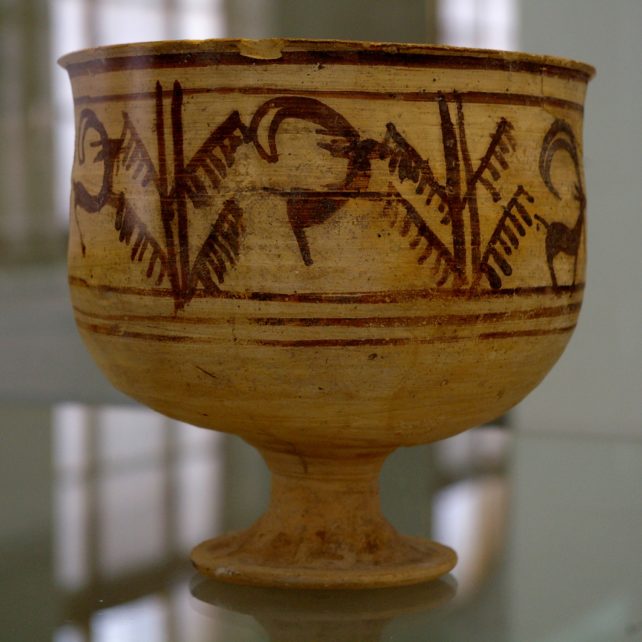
column 331, row 249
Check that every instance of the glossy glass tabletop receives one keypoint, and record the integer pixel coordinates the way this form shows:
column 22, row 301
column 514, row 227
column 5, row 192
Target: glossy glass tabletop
column 99, row 508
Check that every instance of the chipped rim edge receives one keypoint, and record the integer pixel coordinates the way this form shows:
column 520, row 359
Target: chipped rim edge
column 273, row 48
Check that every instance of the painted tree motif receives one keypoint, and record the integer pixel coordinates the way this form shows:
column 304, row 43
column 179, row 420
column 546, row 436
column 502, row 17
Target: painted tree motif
column 443, row 228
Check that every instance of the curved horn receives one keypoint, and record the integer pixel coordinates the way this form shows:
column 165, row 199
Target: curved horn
column 308, row 109
column 93, row 202
column 560, row 136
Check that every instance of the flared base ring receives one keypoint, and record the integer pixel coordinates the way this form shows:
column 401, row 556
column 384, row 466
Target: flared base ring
column 225, row 559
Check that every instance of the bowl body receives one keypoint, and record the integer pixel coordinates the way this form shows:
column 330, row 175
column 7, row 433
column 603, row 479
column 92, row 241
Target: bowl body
column 326, row 242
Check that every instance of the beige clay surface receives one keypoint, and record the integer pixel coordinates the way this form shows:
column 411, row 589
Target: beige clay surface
column 331, row 250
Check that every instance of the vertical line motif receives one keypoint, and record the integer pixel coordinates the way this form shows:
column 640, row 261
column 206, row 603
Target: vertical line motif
column 179, row 194
column 453, row 187
column 471, row 194
column 167, row 213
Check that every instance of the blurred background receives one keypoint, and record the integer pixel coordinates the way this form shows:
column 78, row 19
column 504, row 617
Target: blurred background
column 107, row 497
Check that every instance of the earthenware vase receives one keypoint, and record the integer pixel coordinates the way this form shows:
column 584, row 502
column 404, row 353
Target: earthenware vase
column 332, row 249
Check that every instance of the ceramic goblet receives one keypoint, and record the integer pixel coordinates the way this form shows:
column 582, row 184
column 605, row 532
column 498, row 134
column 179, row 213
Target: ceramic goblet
column 332, row 249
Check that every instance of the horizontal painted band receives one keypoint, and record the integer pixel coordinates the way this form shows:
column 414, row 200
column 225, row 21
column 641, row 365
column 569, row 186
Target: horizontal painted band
column 187, row 60
column 388, row 296
column 479, row 97
column 439, row 320
column 316, row 343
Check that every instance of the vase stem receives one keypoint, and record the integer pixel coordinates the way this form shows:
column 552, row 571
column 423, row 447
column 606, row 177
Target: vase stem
column 323, row 528
column 326, row 509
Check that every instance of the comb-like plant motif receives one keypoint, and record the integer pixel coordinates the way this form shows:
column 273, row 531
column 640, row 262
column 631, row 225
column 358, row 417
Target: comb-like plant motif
column 436, row 214
column 505, row 240
column 220, row 251
column 133, row 232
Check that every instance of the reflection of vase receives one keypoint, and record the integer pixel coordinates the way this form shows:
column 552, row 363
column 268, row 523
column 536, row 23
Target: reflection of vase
column 331, row 249
column 332, row 616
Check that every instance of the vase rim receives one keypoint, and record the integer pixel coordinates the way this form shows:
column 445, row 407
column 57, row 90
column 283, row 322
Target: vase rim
column 359, row 52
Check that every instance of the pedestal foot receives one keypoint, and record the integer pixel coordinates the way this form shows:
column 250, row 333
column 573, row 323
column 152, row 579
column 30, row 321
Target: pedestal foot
column 226, row 559
column 323, row 529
